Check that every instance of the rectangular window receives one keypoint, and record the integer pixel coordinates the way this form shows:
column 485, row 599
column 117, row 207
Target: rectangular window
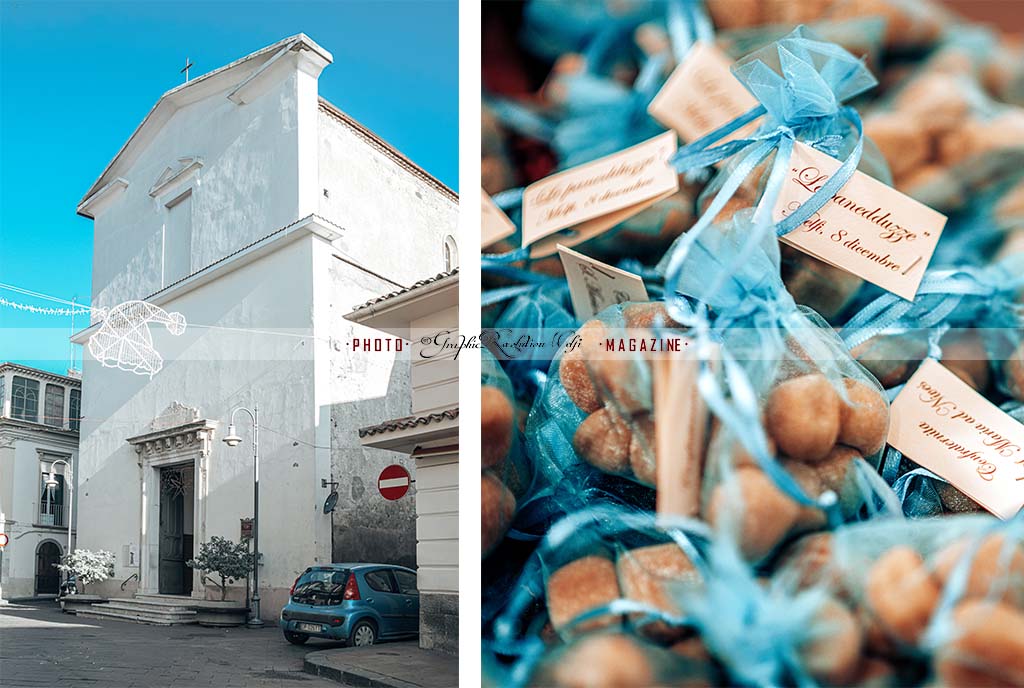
column 75, row 410
column 3, row 397
column 51, row 497
column 178, row 239
column 53, row 410
column 25, row 399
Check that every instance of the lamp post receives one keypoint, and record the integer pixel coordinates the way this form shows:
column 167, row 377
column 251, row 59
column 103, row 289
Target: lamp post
column 51, row 483
column 233, row 440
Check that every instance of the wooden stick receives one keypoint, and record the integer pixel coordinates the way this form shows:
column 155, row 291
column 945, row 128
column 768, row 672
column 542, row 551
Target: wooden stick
column 680, row 424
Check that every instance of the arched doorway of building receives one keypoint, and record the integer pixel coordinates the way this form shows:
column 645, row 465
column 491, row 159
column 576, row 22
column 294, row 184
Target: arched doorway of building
column 47, row 575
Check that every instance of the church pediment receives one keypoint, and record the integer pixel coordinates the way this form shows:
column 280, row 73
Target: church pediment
column 172, row 175
column 175, row 414
column 177, row 432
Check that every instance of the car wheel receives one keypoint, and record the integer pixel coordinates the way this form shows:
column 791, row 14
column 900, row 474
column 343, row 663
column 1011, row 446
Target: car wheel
column 296, row 638
column 362, row 635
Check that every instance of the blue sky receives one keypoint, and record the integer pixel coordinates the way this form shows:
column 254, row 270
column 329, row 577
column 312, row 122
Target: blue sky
column 77, row 77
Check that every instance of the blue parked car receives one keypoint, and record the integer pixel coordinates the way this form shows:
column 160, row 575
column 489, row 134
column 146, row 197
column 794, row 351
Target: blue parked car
column 355, row 603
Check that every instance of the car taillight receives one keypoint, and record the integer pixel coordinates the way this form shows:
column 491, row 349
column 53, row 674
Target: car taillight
column 351, row 588
column 292, row 591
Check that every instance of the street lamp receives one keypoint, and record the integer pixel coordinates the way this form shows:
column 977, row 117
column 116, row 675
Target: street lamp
column 51, row 483
column 232, row 439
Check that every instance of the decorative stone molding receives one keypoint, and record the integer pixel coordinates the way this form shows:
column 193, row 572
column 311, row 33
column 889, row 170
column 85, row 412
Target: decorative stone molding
column 177, row 434
column 174, row 415
column 172, row 176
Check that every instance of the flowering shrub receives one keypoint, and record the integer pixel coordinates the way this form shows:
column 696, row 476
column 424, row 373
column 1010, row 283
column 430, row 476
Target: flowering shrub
column 231, row 561
column 88, row 566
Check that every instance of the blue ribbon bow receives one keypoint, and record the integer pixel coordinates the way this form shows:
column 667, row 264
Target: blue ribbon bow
column 990, row 291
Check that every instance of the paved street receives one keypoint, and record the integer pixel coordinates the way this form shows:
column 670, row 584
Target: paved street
column 40, row 646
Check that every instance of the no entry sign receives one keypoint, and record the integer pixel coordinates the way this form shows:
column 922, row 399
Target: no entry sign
column 393, row 482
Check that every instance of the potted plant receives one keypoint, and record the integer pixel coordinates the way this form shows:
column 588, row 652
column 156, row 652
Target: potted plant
column 86, row 567
column 231, row 562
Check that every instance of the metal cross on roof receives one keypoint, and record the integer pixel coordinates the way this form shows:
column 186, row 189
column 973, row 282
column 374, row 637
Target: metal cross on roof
column 185, row 69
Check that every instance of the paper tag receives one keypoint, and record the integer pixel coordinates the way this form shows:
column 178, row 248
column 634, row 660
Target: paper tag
column 947, row 427
column 868, row 228
column 701, row 95
column 494, row 224
column 593, row 285
column 595, row 197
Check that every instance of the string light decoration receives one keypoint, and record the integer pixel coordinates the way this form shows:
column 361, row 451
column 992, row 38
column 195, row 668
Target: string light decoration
column 125, row 342
column 44, row 311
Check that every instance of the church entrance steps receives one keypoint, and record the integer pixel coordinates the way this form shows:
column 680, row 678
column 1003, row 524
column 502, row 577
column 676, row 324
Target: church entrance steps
column 166, row 611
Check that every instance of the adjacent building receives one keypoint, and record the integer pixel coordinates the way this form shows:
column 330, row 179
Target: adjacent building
column 39, row 422
column 427, row 315
column 252, row 213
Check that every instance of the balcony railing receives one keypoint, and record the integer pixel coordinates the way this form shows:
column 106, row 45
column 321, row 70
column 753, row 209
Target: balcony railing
column 52, row 515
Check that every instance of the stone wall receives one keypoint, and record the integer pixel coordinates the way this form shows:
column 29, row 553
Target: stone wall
column 439, row 622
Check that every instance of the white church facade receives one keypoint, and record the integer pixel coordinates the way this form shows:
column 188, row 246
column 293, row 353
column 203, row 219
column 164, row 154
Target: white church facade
column 253, row 215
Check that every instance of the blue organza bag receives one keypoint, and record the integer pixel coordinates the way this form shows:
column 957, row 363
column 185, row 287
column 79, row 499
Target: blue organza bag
column 909, row 25
column 976, row 234
column 607, row 576
column 860, row 36
column 592, row 425
column 506, row 474
column 554, row 27
column 945, row 139
column 800, row 424
column 802, row 84
column 971, row 320
column 921, row 593
column 536, row 317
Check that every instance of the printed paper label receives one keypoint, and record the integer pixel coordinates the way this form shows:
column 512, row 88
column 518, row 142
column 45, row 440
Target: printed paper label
column 701, row 95
column 947, row 427
column 595, row 197
column 494, row 224
column 868, row 228
column 593, row 285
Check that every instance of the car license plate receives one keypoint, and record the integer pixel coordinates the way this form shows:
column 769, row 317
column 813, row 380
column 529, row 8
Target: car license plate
column 309, row 628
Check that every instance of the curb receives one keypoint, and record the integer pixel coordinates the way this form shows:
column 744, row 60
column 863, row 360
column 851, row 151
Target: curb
column 361, row 678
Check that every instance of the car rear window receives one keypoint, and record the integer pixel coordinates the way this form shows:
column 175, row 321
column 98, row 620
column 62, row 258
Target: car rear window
column 321, row 586
column 379, row 580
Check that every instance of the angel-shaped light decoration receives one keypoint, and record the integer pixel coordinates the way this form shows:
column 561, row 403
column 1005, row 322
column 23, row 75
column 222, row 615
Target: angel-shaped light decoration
column 124, row 340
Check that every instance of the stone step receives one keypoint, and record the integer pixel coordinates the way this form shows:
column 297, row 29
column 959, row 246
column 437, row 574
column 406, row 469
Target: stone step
column 170, row 603
column 185, row 599
column 119, row 612
column 148, row 608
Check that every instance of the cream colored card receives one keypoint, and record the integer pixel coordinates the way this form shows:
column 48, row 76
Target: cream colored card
column 594, row 286
column 947, row 427
column 592, row 198
column 868, row 228
column 494, row 224
column 702, row 94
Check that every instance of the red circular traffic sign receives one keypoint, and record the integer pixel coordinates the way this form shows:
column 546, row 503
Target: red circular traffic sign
column 393, row 482
column 3, row 540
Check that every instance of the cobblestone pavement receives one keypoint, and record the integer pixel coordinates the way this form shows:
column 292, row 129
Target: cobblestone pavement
column 40, row 646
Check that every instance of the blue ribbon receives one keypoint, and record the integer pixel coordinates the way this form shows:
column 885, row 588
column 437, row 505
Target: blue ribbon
column 941, row 293
column 801, row 83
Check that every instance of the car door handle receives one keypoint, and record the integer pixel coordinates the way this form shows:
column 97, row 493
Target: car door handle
column 369, row 600
column 408, row 601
